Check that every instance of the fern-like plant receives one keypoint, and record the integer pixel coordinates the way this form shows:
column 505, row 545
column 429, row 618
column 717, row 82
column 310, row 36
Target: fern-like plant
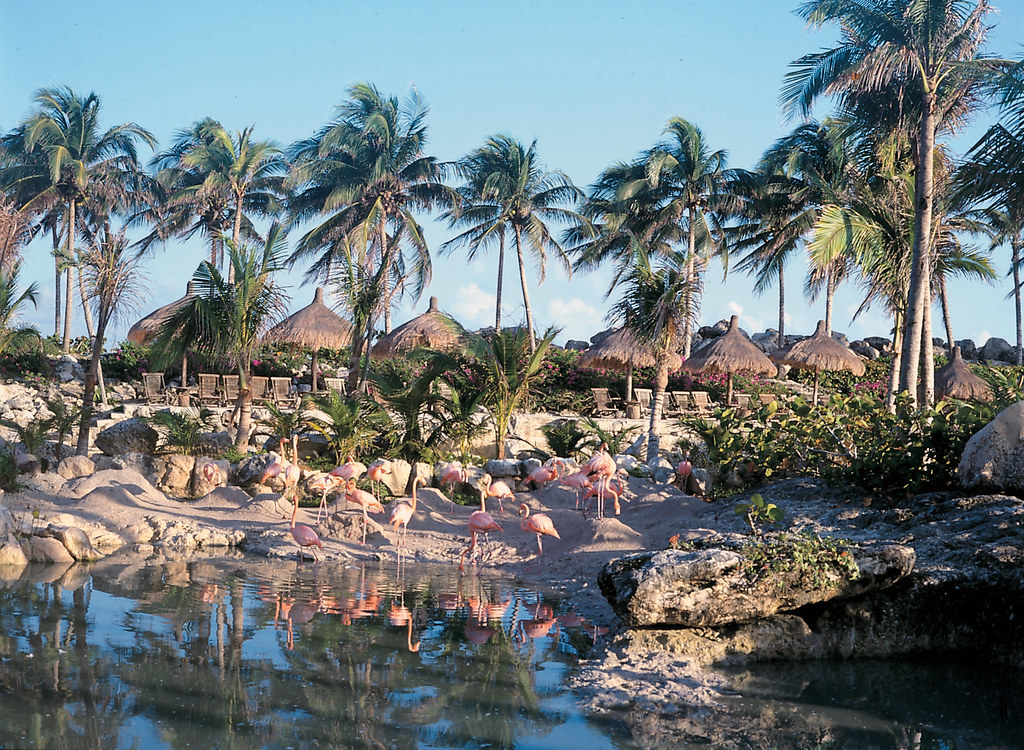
column 349, row 424
column 566, row 438
column 182, row 429
column 616, row 440
column 283, row 424
column 63, row 421
column 32, row 436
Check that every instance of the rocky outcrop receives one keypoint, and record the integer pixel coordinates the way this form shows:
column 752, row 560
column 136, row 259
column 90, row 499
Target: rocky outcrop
column 177, row 475
column 249, row 471
column 73, row 467
column 993, row 458
column 129, row 436
column 714, row 586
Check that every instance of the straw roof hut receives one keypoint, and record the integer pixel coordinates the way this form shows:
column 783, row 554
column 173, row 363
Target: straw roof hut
column 146, row 329
column 620, row 350
column 956, row 380
column 433, row 330
column 729, row 354
column 819, row 352
column 315, row 326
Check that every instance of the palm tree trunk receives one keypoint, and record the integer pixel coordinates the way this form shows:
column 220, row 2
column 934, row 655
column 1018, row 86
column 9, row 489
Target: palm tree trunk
column 927, row 389
column 87, row 314
column 314, row 366
column 56, row 275
column 68, row 293
column 691, row 250
column 501, row 275
column 236, row 234
column 782, row 307
column 894, row 371
column 214, row 248
column 921, row 255
column 88, row 393
column 657, row 403
column 944, row 300
column 830, row 293
column 385, row 261
column 1015, row 246
column 526, row 292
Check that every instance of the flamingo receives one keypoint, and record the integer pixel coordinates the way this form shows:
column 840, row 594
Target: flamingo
column 402, row 512
column 213, row 474
column 544, row 474
column 304, row 536
column 325, row 484
column 351, row 469
column 578, row 481
column 539, row 524
column 602, row 487
column 495, row 489
column 684, row 469
column 452, row 474
column 601, row 464
column 480, row 522
column 364, row 500
column 376, row 471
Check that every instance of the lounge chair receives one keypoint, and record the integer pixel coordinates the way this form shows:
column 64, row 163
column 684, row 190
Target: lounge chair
column 229, row 386
column 209, row 388
column 259, row 384
column 605, row 405
column 335, row 384
column 281, row 392
column 643, row 395
column 678, row 403
column 701, row 403
column 154, row 390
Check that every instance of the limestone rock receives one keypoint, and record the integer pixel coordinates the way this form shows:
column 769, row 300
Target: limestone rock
column 502, row 468
column 177, row 474
column 708, row 587
column 45, row 550
column 250, row 470
column 968, row 349
column 997, row 350
column 199, row 485
column 11, row 552
column 75, row 541
column 130, row 436
column 27, row 463
column 397, row 481
column 73, row 467
column 994, row 456
column 699, row 483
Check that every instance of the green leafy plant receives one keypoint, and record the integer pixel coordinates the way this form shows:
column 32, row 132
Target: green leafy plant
column 616, row 440
column 8, row 470
column 814, row 561
column 758, row 511
column 466, row 419
column 349, row 424
column 32, row 435
column 283, row 424
column 417, row 411
column 566, row 438
column 182, row 429
column 63, row 420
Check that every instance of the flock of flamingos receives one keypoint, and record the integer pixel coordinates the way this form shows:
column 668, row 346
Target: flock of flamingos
column 598, row 478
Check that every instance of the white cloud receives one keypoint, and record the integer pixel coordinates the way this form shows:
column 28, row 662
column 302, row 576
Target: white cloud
column 474, row 305
column 982, row 337
column 736, row 307
column 577, row 318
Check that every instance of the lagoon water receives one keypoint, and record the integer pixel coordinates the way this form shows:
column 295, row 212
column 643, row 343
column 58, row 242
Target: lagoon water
column 245, row 653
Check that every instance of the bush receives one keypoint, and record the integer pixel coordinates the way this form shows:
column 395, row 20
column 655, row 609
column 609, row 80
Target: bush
column 126, row 362
column 32, row 365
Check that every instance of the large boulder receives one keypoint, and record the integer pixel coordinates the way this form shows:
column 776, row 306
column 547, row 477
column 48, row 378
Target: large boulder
column 397, row 478
column 250, row 470
column 11, row 552
column 997, row 350
column 129, row 436
column 713, row 586
column 968, row 349
column 73, row 467
column 177, row 475
column 994, row 456
column 500, row 468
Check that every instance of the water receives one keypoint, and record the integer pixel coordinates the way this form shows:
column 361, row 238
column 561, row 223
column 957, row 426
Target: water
column 250, row 654
column 244, row 653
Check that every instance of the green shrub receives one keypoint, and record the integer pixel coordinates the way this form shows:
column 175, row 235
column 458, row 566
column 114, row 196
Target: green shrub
column 565, row 438
column 126, row 362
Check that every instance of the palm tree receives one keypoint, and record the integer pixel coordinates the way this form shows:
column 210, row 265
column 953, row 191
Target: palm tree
column 507, row 189
column 11, row 302
column 212, row 179
column 360, row 178
column 112, row 283
column 928, row 52
column 694, row 179
column 82, row 163
column 229, row 319
column 656, row 305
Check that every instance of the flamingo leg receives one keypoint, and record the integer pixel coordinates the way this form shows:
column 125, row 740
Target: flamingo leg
column 540, row 547
column 366, row 520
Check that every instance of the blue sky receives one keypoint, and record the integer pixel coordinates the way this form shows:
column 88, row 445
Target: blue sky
column 592, row 81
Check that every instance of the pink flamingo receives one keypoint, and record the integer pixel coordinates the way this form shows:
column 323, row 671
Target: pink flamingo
column 602, row 488
column 364, row 500
column 539, row 524
column 351, row 469
column 495, row 489
column 304, row 536
column 544, row 474
column 480, row 522
column 325, row 484
column 684, row 469
column 578, row 481
column 214, row 475
column 402, row 513
column 601, row 464
column 451, row 474
column 375, row 473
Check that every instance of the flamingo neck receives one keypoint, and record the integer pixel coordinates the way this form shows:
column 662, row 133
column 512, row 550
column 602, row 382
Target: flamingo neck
column 295, row 511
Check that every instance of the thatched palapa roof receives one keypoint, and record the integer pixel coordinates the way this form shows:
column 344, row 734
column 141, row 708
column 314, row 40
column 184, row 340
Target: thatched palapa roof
column 315, row 326
column 146, row 329
column 956, row 380
column 730, row 353
column 433, row 330
column 620, row 350
column 819, row 352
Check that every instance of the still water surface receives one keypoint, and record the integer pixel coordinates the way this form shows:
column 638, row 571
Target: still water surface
column 243, row 653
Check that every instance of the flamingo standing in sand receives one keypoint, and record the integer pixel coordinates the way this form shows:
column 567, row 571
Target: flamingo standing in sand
column 351, row 469
column 324, row 485
column 601, row 464
column 684, row 469
column 215, row 475
column 603, row 487
column 578, row 481
column 402, row 513
column 539, row 524
column 375, row 473
column 364, row 500
column 480, row 522
column 495, row 489
column 451, row 474
column 544, row 474
column 304, row 536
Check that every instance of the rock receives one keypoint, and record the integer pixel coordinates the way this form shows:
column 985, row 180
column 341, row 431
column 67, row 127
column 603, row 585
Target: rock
column 638, row 448
column 502, row 468
column 130, row 436
column 626, row 461
column 968, row 349
column 529, row 464
column 767, row 341
column 11, row 552
column 68, row 369
column 45, row 550
column 214, row 443
column 75, row 541
column 177, row 475
column 878, row 342
column 712, row 332
column 709, row 587
column 996, row 350
column 699, row 483
column 397, row 481
column 597, row 338
column 148, row 466
column 424, row 470
column 579, row 346
column 841, row 338
column 250, row 470
column 26, row 463
column 661, row 471
column 868, row 352
column 199, row 485
column 73, row 467
column 994, row 456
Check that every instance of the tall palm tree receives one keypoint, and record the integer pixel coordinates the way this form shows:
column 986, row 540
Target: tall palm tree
column 656, row 305
column 694, row 179
column 82, row 164
column 360, row 179
column 212, row 179
column 112, row 285
column 928, row 51
column 508, row 189
column 229, row 319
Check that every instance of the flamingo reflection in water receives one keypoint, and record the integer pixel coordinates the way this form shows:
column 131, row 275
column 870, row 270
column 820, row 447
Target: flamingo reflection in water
column 398, row 615
column 480, row 522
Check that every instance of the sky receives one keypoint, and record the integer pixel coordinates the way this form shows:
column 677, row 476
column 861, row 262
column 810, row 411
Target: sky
column 593, row 81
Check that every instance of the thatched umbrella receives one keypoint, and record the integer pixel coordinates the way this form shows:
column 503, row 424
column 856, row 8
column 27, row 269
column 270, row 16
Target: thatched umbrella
column 315, row 326
column 956, row 380
column 819, row 352
column 620, row 350
column 146, row 329
column 433, row 330
column 730, row 353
